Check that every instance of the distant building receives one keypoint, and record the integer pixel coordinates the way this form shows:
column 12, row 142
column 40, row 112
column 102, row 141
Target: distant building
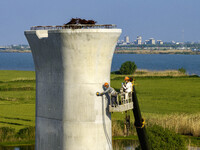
column 121, row 42
column 159, row 42
column 152, row 41
column 173, row 42
column 146, row 42
column 2, row 47
column 138, row 40
column 126, row 39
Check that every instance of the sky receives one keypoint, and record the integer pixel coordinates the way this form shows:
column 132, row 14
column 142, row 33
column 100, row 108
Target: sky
column 165, row 20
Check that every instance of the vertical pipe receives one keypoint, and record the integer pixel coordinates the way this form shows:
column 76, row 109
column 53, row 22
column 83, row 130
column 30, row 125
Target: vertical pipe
column 139, row 123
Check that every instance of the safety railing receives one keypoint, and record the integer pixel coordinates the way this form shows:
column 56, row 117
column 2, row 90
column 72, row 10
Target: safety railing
column 74, row 26
column 124, row 103
column 124, row 98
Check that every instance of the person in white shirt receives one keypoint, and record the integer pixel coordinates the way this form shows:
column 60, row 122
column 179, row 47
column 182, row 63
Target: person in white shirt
column 127, row 87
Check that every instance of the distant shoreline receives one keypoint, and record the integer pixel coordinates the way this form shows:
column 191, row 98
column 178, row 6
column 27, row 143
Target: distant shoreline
column 185, row 52
column 15, row 51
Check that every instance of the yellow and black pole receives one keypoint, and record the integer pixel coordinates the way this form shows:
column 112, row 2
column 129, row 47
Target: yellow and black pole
column 140, row 123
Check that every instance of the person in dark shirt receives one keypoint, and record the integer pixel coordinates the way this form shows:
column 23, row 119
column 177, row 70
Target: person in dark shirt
column 111, row 91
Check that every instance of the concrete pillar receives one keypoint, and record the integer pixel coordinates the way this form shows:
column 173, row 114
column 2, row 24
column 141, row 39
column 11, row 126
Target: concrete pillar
column 71, row 66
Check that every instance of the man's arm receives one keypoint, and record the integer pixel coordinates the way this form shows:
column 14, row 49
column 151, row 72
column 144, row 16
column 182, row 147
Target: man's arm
column 124, row 86
column 104, row 92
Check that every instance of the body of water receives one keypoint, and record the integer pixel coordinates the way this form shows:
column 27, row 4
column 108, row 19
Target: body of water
column 24, row 61
column 16, row 61
column 159, row 62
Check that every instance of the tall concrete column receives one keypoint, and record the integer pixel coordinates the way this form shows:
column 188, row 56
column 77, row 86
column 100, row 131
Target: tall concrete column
column 71, row 66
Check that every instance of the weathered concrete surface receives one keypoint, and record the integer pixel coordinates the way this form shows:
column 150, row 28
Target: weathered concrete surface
column 71, row 66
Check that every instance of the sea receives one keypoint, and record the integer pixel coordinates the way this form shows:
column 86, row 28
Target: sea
column 24, row 61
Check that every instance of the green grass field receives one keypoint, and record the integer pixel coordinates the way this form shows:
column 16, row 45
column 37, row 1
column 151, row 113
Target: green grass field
column 17, row 99
column 172, row 102
column 166, row 95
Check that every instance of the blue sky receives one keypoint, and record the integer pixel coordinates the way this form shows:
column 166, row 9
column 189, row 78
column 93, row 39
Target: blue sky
column 161, row 19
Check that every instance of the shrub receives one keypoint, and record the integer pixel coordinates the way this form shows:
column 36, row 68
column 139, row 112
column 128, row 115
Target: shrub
column 9, row 135
column 182, row 70
column 26, row 133
column 128, row 67
column 164, row 139
column 6, row 133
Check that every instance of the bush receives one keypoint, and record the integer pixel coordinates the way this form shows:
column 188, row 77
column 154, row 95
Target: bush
column 164, row 139
column 128, row 67
column 182, row 70
column 26, row 133
column 6, row 133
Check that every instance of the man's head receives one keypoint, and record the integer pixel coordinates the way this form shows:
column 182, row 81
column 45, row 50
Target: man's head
column 126, row 79
column 106, row 85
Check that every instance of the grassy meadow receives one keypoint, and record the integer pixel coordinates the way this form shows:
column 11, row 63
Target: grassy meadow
column 17, row 99
column 168, row 99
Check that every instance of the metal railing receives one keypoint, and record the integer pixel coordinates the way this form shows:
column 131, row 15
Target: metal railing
column 74, row 26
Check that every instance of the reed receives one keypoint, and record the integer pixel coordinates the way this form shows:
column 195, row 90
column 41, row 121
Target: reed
column 152, row 73
column 173, row 73
column 186, row 124
column 118, row 128
column 182, row 123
